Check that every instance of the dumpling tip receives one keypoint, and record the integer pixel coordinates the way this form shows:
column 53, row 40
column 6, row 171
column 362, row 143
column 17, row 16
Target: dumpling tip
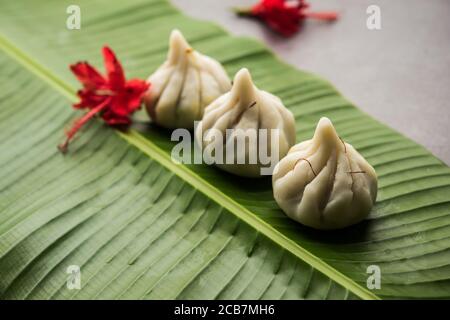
column 324, row 121
column 243, row 75
column 177, row 44
column 243, row 87
column 325, row 130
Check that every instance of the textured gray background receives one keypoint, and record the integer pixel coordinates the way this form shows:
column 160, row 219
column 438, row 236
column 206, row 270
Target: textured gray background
column 399, row 74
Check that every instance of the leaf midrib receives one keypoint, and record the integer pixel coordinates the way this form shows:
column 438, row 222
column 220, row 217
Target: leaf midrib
column 153, row 151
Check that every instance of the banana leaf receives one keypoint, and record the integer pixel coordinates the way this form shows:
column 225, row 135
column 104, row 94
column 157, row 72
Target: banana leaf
column 140, row 226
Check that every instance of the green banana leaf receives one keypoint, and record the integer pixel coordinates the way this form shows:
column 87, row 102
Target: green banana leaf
column 140, row 226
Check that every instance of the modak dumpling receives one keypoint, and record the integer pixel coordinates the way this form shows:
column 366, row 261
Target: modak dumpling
column 235, row 123
column 184, row 85
column 324, row 182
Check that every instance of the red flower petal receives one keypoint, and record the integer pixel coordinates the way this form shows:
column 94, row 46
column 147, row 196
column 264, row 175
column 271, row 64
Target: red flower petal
column 113, row 119
column 114, row 70
column 281, row 16
column 135, row 89
column 88, row 75
column 284, row 20
column 119, row 105
column 88, row 99
column 129, row 99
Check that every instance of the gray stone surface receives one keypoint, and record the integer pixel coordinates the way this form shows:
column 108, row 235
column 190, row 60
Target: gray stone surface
column 399, row 74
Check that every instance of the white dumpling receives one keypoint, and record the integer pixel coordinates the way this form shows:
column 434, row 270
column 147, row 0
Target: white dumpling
column 325, row 183
column 183, row 85
column 247, row 108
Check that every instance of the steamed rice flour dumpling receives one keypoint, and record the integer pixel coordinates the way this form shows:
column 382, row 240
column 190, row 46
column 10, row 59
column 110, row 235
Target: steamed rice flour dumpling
column 184, row 85
column 324, row 182
column 254, row 117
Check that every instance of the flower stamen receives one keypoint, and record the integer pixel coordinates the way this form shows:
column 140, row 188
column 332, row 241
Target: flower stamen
column 80, row 123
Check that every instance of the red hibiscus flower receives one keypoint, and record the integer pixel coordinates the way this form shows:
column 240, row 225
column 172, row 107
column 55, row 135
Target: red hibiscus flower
column 284, row 16
column 112, row 97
